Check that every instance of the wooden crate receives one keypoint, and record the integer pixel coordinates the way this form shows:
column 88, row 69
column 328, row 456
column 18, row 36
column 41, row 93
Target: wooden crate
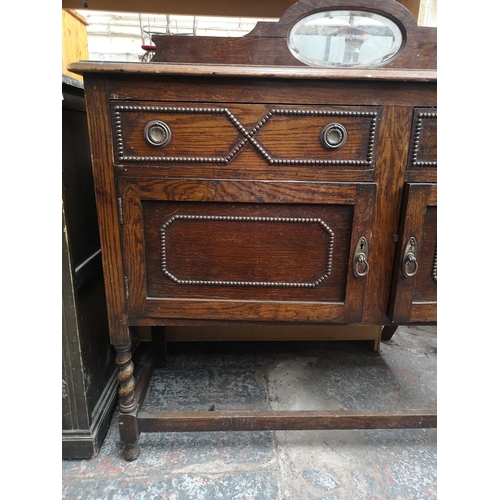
column 74, row 41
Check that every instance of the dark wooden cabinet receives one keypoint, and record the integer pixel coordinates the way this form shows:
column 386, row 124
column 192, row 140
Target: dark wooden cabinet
column 240, row 185
column 88, row 369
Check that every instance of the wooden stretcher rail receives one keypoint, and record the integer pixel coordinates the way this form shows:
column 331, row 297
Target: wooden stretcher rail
column 284, row 420
column 269, row 420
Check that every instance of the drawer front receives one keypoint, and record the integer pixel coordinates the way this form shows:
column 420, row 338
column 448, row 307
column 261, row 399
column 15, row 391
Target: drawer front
column 251, row 250
column 423, row 146
column 243, row 135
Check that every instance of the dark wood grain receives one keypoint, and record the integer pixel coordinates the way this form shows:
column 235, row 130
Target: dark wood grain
column 423, row 150
column 107, row 210
column 415, row 298
column 308, row 88
column 245, row 216
column 287, row 251
column 129, row 435
column 219, row 134
column 393, row 151
column 243, row 191
column 253, row 71
column 388, row 331
column 88, row 369
column 421, row 175
column 285, row 420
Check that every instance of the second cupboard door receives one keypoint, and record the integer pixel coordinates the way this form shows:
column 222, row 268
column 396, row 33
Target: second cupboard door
column 414, row 294
column 247, row 250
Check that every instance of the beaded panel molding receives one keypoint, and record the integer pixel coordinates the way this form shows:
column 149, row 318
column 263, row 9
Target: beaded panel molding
column 289, row 220
column 248, row 136
column 435, row 266
column 421, row 120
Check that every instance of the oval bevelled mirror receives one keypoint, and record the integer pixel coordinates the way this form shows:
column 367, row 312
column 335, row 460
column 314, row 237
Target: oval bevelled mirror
column 345, row 38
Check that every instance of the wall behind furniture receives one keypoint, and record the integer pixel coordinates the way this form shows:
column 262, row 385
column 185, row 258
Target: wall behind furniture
column 119, row 36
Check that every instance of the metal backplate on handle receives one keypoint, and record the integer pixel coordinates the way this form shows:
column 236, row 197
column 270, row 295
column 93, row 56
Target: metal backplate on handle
column 360, row 261
column 410, row 264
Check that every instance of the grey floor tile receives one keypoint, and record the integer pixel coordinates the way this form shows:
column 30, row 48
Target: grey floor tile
column 282, row 465
column 235, row 486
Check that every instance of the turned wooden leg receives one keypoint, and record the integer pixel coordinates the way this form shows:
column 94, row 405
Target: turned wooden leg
column 388, row 332
column 127, row 418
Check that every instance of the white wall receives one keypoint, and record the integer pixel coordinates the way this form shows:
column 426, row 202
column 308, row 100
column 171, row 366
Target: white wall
column 116, row 36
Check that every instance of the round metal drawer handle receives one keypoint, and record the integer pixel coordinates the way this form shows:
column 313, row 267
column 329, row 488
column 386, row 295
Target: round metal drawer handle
column 333, row 136
column 157, row 134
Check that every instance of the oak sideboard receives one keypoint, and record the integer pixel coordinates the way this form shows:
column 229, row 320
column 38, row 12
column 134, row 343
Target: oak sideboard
column 284, row 177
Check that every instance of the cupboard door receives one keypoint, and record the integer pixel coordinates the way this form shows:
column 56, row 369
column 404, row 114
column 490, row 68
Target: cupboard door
column 414, row 294
column 246, row 250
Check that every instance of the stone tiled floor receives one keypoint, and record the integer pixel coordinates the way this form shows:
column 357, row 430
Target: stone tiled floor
column 351, row 465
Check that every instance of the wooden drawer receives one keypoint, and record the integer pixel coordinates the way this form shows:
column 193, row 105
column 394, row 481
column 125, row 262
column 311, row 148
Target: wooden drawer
column 423, row 146
column 244, row 135
column 251, row 250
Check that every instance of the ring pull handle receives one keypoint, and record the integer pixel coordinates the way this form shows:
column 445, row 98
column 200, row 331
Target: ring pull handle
column 410, row 264
column 157, row 134
column 333, row 136
column 360, row 261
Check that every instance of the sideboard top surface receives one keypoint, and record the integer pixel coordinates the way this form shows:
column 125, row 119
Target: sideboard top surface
column 246, row 71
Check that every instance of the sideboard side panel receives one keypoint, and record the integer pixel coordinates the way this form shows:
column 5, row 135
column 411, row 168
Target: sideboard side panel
column 107, row 210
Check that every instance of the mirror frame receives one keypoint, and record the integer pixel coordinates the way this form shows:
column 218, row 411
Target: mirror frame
column 310, row 61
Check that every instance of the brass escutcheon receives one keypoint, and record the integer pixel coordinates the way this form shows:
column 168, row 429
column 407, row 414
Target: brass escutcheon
column 360, row 261
column 410, row 264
